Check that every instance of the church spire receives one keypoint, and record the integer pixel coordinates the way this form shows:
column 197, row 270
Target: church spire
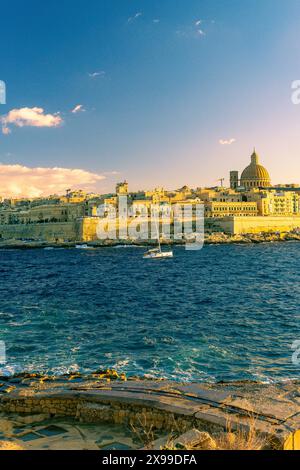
column 254, row 157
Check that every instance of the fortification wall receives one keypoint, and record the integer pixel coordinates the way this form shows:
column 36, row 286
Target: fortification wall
column 50, row 232
column 242, row 225
column 85, row 229
column 220, row 224
column 265, row 224
column 89, row 229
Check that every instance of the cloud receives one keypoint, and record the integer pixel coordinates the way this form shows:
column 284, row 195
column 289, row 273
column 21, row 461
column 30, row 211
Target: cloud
column 78, row 108
column 190, row 32
column 135, row 17
column 111, row 173
column 227, row 142
column 22, row 181
column 5, row 130
column 200, row 32
column 101, row 73
column 34, row 117
column 156, row 20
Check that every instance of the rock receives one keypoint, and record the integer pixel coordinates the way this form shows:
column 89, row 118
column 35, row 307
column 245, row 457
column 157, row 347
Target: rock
column 31, row 419
column 195, row 439
column 8, row 389
column 7, row 445
column 109, row 374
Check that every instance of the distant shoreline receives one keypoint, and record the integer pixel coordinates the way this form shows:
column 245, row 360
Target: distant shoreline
column 215, row 239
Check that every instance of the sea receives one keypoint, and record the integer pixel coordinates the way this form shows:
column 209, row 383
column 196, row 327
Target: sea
column 223, row 313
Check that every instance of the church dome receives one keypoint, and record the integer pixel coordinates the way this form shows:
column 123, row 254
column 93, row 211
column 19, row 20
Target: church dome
column 255, row 175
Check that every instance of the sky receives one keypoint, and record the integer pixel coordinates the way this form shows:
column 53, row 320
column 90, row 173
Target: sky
column 158, row 92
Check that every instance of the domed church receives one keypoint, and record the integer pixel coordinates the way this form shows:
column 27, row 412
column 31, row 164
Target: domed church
column 253, row 176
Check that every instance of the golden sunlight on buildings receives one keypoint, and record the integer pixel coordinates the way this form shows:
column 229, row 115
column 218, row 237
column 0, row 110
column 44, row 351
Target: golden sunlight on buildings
column 249, row 205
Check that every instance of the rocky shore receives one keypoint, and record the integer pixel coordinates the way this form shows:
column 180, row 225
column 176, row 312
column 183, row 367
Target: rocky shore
column 38, row 411
column 210, row 239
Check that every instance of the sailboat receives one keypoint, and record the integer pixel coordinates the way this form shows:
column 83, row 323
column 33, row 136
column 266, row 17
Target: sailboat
column 156, row 253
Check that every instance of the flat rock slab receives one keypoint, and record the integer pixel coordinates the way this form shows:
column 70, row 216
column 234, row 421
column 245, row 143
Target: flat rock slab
column 62, row 434
column 266, row 408
column 275, row 407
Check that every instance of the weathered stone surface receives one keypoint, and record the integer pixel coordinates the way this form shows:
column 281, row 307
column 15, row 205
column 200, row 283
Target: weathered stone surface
column 266, row 406
column 209, row 407
column 195, row 438
column 209, row 396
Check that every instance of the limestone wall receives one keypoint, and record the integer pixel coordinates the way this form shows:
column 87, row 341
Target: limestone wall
column 50, row 232
column 266, row 224
column 106, row 410
column 242, row 225
column 85, row 229
column 89, row 229
column 221, row 224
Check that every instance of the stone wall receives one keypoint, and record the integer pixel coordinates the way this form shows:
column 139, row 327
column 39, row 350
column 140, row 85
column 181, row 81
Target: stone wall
column 242, row 225
column 85, row 229
column 49, row 232
column 158, row 405
column 107, row 411
column 89, row 229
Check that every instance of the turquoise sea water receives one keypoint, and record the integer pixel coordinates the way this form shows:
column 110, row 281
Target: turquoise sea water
column 221, row 313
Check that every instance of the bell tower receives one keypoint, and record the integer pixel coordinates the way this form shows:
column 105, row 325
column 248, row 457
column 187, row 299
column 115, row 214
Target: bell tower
column 234, row 179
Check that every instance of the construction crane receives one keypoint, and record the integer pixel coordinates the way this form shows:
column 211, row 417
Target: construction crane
column 221, row 181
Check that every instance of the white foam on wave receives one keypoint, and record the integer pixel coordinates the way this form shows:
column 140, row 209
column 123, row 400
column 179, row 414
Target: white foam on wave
column 10, row 370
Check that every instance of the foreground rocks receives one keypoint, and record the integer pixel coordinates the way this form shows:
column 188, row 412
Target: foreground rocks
column 272, row 411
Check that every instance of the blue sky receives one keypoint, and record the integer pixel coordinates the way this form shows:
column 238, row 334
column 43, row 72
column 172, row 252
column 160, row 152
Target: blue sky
column 166, row 88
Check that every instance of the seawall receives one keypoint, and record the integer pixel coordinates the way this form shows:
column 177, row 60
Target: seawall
column 254, row 225
column 43, row 232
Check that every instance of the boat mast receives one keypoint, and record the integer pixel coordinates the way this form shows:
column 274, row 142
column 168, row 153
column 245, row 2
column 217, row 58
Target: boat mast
column 157, row 227
column 158, row 237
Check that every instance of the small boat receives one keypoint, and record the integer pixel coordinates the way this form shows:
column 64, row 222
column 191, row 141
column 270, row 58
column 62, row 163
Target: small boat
column 157, row 253
column 84, row 246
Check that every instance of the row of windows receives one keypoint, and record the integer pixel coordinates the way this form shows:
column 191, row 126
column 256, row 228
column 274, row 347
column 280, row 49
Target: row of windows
column 239, row 209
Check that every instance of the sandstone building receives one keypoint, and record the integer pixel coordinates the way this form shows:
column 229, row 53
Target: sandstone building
column 250, row 204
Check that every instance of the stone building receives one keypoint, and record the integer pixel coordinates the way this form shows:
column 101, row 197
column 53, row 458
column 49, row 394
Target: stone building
column 236, row 209
column 253, row 176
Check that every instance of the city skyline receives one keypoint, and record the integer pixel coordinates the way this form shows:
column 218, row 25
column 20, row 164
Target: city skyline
column 160, row 94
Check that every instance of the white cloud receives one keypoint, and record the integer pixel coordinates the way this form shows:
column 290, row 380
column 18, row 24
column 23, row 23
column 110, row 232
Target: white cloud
column 22, row 181
column 135, row 17
column 34, row 117
column 111, row 173
column 101, row 73
column 190, row 32
column 78, row 108
column 5, row 130
column 200, row 32
column 227, row 142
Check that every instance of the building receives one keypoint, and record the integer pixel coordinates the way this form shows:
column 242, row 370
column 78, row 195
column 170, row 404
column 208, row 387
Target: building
column 226, row 209
column 250, row 205
column 253, row 176
column 122, row 188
